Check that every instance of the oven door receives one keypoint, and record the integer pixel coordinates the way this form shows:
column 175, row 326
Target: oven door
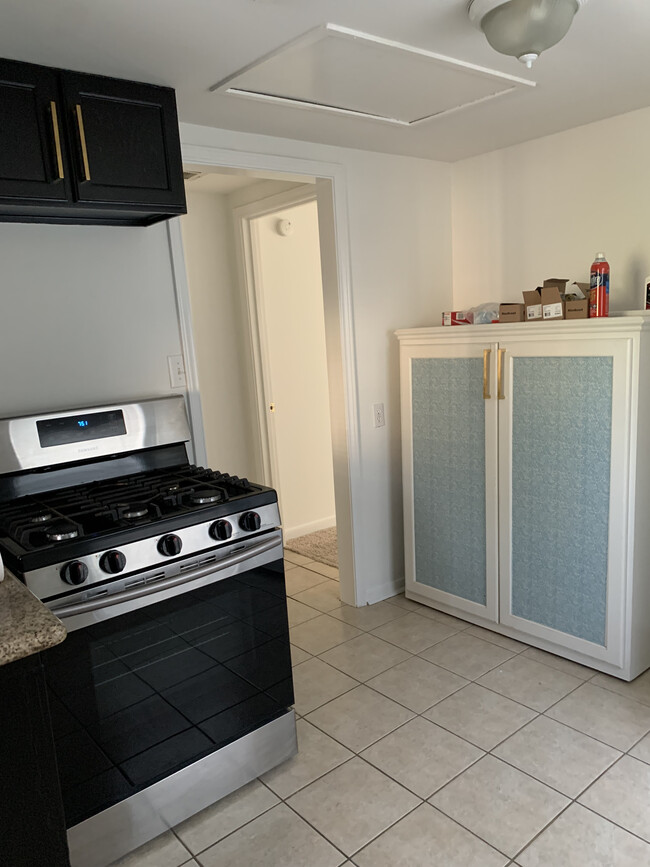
column 158, row 677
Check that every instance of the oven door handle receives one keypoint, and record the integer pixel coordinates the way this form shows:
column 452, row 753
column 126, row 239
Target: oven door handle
column 166, row 583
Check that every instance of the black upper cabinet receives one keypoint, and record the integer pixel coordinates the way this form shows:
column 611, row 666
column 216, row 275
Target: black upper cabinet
column 78, row 148
column 125, row 141
column 32, row 161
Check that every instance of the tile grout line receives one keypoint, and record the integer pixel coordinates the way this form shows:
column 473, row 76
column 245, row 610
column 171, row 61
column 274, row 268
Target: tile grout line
column 420, row 715
column 239, row 827
column 616, row 824
column 412, row 655
column 340, row 695
column 571, row 800
column 320, row 833
column 548, row 785
column 173, row 830
column 568, row 725
column 542, row 830
column 422, row 801
column 618, row 694
column 635, row 745
column 575, row 801
column 475, row 681
column 385, row 773
column 392, row 825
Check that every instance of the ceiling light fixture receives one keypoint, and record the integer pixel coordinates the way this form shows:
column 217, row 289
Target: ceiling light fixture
column 523, row 28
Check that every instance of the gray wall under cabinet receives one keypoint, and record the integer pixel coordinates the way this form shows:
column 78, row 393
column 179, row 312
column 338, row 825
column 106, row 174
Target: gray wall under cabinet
column 88, row 315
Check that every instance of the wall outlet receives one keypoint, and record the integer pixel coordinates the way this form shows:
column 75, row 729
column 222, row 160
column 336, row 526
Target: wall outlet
column 378, row 413
column 176, row 371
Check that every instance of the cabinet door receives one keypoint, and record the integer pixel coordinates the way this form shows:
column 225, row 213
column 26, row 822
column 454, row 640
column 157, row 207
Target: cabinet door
column 32, row 147
column 125, row 142
column 563, row 466
column 33, row 831
column 449, row 431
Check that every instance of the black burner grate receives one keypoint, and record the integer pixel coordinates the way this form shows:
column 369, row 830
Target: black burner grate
column 140, row 499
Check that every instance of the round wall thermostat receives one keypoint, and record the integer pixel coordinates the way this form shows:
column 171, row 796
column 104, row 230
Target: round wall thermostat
column 285, row 227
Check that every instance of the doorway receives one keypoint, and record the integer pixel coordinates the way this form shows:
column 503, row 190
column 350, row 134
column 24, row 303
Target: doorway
column 249, row 435
column 282, row 273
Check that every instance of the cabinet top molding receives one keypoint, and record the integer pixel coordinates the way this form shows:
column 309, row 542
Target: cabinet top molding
column 628, row 322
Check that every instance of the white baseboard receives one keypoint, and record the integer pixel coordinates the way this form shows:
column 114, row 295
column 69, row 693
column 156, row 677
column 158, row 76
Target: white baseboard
column 385, row 591
column 311, row 527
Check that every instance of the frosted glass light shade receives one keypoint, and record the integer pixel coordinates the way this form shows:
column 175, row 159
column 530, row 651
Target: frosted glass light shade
column 524, row 28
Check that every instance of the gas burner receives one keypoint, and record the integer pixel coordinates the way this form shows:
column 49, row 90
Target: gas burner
column 41, row 518
column 170, row 488
column 60, row 531
column 204, row 498
column 133, row 510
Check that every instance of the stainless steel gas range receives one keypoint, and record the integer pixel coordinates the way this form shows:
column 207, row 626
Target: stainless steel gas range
column 174, row 685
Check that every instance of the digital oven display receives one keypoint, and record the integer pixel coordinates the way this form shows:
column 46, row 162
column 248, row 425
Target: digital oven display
column 79, row 428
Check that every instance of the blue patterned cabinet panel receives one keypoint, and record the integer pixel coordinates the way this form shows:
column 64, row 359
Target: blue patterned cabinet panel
column 449, row 475
column 561, row 445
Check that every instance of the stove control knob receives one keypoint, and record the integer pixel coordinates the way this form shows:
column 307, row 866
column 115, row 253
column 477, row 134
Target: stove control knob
column 221, row 530
column 112, row 562
column 170, row 545
column 250, row 521
column 74, row 572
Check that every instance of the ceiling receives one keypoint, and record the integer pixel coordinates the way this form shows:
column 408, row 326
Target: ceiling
column 600, row 69
column 219, row 182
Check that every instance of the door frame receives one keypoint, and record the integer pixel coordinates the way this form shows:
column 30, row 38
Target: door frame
column 331, row 194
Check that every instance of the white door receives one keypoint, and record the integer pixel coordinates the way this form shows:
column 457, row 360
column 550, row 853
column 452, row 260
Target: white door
column 449, row 431
column 563, row 465
column 292, row 332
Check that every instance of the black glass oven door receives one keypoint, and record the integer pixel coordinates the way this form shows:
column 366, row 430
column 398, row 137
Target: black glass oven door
column 139, row 697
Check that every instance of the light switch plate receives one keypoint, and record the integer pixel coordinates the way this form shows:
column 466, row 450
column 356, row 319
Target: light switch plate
column 176, row 371
column 378, row 413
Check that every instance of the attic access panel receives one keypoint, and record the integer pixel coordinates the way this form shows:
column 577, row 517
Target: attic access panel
column 348, row 72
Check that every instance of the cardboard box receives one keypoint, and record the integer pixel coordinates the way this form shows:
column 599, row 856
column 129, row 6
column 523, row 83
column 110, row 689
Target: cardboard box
column 552, row 293
column 533, row 305
column 511, row 313
column 458, row 317
column 578, row 307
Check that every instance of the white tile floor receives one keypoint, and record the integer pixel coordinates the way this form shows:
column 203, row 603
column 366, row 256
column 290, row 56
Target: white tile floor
column 428, row 742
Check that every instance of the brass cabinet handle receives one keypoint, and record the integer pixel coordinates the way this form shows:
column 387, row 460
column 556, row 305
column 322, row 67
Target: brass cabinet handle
column 57, row 139
column 500, row 393
column 82, row 139
column 486, row 374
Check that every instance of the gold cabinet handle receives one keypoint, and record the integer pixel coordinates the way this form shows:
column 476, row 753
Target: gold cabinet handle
column 500, row 393
column 82, row 139
column 57, row 139
column 486, row 374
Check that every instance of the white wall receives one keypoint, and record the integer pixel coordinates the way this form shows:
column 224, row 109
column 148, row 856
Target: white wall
column 87, row 315
column 544, row 208
column 220, row 330
column 400, row 262
column 291, row 295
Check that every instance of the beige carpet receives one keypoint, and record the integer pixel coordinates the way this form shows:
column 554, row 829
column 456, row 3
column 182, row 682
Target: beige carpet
column 321, row 546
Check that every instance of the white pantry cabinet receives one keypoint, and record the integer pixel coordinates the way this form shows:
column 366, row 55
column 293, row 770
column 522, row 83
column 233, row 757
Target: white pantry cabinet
column 526, row 468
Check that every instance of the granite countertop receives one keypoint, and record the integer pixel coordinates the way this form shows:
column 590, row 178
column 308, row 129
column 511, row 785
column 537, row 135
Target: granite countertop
column 26, row 625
